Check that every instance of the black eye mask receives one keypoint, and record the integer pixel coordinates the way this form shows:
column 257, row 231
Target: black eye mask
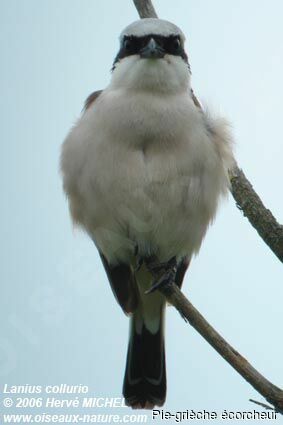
column 132, row 45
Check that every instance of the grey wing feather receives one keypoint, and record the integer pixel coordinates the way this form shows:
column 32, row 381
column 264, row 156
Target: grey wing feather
column 91, row 98
column 123, row 284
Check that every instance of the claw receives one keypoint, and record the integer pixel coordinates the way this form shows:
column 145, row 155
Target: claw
column 139, row 265
column 156, row 267
column 166, row 279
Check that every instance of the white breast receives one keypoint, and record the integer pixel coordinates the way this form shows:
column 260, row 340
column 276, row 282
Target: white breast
column 142, row 169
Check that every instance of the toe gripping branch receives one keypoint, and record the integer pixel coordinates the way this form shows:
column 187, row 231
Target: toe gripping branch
column 163, row 273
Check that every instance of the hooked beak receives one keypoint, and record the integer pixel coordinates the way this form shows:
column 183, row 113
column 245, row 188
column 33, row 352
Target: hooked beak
column 152, row 51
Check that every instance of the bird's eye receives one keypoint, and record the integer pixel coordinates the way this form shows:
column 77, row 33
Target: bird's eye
column 127, row 44
column 176, row 43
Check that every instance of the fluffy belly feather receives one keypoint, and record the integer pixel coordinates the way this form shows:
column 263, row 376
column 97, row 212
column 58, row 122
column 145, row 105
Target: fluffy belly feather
column 158, row 192
column 156, row 203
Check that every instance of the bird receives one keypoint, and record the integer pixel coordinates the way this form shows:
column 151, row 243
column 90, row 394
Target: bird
column 144, row 169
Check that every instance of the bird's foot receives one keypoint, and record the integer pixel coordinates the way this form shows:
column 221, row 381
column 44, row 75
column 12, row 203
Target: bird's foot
column 138, row 264
column 166, row 279
column 139, row 260
column 157, row 268
column 166, row 273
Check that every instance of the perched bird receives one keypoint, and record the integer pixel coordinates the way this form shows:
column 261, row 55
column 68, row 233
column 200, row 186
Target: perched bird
column 144, row 168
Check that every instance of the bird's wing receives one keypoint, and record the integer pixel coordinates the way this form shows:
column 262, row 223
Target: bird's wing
column 121, row 276
column 123, row 284
column 195, row 100
column 92, row 98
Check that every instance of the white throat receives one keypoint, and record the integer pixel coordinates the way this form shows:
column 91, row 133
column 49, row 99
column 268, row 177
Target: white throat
column 169, row 75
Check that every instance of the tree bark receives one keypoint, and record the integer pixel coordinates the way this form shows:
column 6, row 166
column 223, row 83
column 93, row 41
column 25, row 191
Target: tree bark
column 145, row 9
column 248, row 201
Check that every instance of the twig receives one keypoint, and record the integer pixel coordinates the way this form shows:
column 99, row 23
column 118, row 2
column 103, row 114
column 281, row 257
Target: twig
column 246, row 198
column 272, row 233
column 269, row 391
column 258, row 215
column 145, row 9
column 266, row 406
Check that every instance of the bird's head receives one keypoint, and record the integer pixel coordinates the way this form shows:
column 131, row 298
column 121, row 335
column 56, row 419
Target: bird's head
column 152, row 57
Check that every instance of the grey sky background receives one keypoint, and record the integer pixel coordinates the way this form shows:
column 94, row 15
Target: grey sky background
column 59, row 320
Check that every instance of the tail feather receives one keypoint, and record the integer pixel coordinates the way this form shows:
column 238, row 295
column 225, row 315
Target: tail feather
column 145, row 375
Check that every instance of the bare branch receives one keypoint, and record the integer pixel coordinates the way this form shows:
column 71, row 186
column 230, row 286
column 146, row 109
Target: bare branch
column 258, row 215
column 145, row 9
column 271, row 232
column 269, row 391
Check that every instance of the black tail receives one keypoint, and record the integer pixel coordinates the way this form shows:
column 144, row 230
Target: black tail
column 145, row 375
